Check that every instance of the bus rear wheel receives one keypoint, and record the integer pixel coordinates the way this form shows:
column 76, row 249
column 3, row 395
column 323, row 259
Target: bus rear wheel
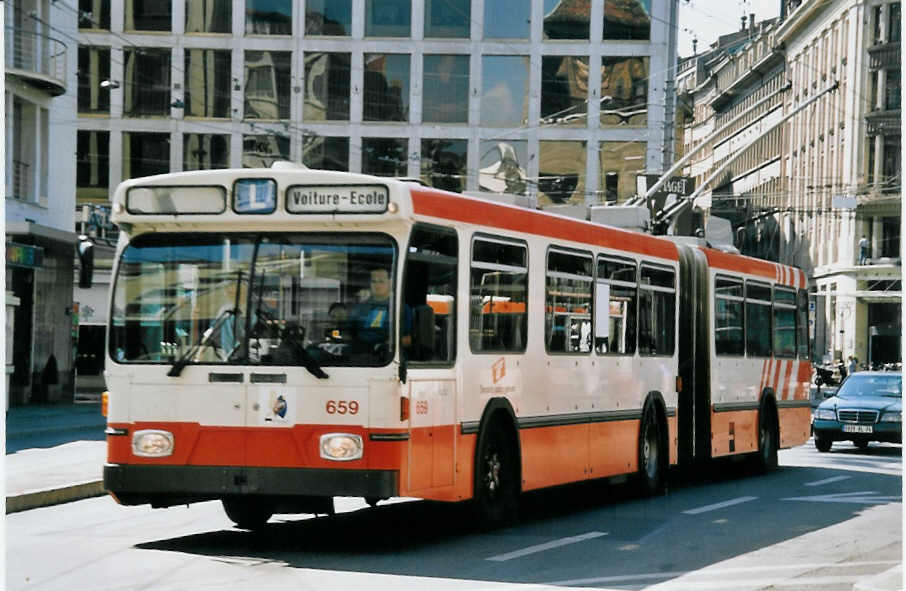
column 651, row 452
column 768, row 437
column 496, row 478
column 247, row 513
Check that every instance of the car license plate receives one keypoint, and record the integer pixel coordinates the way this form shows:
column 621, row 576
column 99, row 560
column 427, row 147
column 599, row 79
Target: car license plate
column 858, row 429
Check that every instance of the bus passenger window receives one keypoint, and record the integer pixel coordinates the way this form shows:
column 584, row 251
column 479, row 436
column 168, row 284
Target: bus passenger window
column 567, row 316
column 498, row 294
column 758, row 319
column 729, row 337
column 784, row 332
column 802, row 341
column 657, row 311
column 429, row 291
column 616, row 302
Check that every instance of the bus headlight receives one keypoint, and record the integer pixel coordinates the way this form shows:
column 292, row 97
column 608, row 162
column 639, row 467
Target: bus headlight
column 151, row 443
column 341, row 447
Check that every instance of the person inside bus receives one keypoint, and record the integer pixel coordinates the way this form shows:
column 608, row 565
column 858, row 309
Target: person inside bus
column 372, row 317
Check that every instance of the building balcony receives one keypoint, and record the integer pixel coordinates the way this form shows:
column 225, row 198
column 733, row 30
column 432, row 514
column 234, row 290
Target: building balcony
column 36, row 59
column 883, row 123
column 885, row 55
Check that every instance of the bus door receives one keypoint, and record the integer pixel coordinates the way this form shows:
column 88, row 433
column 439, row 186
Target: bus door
column 427, row 339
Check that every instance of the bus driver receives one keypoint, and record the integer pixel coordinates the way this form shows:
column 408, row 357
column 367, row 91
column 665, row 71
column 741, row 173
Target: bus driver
column 372, row 317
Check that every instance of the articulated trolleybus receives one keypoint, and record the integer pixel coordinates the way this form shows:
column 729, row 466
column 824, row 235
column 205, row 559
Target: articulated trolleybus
column 282, row 336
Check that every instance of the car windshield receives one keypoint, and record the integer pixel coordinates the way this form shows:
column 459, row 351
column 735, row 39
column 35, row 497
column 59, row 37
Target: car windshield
column 270, row 299
column 872, row 385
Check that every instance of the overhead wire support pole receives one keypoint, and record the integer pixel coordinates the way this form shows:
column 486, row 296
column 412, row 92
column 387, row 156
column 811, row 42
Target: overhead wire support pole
column 707, row 141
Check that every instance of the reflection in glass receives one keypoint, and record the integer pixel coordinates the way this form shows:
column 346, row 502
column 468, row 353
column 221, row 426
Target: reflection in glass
column 564, row 90
column 507, row 19
column 627, row 19
column 325, row 153
column 448, row 18
column 386, row 87
column 268, row 17
column 145, row 154
column 328, row 17
column 94, row 14
column 267, row 77
column 92, row 165
column 326, row 87
column 567, row 19
column 624, row 90
column 260, row 151
column 205, row 151
column 207, row 83
column 446, row 89
column 388, row 18
column 561, row 172
column 146, row 74
column 504, row 90
column 140, row 15
column 94, row 68
column 444, row 164
column 620, row 163
column 503, row 166
column 385, row 156
column 213, row 16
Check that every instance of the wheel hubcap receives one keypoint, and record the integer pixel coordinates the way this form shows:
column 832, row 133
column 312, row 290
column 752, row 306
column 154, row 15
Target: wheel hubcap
column 492, row 475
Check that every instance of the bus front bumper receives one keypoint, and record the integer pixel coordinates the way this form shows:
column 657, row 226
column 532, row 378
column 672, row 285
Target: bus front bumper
column 163, row 486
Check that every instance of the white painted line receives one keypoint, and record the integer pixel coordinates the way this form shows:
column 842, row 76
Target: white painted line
column 546, row 546
column 716, row 506
column 827, row 480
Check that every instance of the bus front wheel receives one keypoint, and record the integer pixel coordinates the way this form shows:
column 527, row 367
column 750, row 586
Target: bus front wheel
column 247, row 513
column 496, row 477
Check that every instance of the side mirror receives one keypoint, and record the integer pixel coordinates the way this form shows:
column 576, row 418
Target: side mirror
column 85, row 250
column 422, row 333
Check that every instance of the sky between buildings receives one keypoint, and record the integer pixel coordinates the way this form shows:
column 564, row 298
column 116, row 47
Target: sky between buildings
column 708, row 19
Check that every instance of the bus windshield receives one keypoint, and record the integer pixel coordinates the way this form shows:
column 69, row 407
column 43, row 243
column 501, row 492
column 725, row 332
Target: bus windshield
column 255, row 298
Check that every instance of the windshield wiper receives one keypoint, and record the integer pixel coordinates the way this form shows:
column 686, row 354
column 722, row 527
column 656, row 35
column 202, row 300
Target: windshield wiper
column 205, row 339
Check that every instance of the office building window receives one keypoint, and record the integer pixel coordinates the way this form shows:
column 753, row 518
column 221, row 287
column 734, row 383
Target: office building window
column 446, row 89
column 504, row 90
column 561, row 172
column 92, row 165
column 894, row 25
column 448, row 18
column 388, row 18
column 385, row 156
column 326, row 153
column 145, row 154
column 624, row 90
column 146, row 88
column 212, row 16
column 262, row 150
column 444, row 164
column 268, row 17
column 386, row 87
column 627, row 19
column 564, row 90
column 94, row 14
column 267, row 84
column 507, row 19
column 567, row 20
column 147, row 15
column 94, row 68
column 327, row 78
column 205, row 151
column 502, row 166
column 328, row 17
column 207, row 83
column 620, row 163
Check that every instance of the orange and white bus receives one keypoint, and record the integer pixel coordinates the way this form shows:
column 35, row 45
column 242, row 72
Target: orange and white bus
column 282, row 336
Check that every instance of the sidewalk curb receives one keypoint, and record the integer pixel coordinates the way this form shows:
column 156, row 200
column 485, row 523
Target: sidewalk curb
column 54, row 496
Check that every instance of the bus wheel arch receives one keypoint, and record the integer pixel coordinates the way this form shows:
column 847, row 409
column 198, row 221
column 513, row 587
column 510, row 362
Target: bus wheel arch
column 653, row 452
column 498, row 465
column 768, row 433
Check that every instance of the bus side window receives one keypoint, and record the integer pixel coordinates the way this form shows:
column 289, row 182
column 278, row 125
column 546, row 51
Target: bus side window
column 567, row 317
column 498, row 295
column 758, row 319
column 429, row 292
column 616, row 303
column 784, row 333
column 802, row 340
column 729, row 337
column 657, row 310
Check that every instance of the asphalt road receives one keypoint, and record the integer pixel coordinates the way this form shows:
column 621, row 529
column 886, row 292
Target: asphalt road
column 821, row 521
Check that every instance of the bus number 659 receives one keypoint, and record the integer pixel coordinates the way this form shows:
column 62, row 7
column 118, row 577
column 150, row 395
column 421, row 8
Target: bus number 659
column 342, row 407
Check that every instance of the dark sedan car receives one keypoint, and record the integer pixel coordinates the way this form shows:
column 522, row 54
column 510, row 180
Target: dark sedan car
column 867, row 407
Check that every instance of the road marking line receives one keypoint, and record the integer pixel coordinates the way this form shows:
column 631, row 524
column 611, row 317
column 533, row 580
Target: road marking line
column 716, row 506
column 546, row 546
column 827, row 480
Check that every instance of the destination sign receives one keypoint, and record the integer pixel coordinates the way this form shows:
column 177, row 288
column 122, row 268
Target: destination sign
column 313, row 199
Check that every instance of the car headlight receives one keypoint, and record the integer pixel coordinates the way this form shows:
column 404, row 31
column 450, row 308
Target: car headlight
column 826, row 414
column 341, row 447
column 152, row 443
column 891, row 417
